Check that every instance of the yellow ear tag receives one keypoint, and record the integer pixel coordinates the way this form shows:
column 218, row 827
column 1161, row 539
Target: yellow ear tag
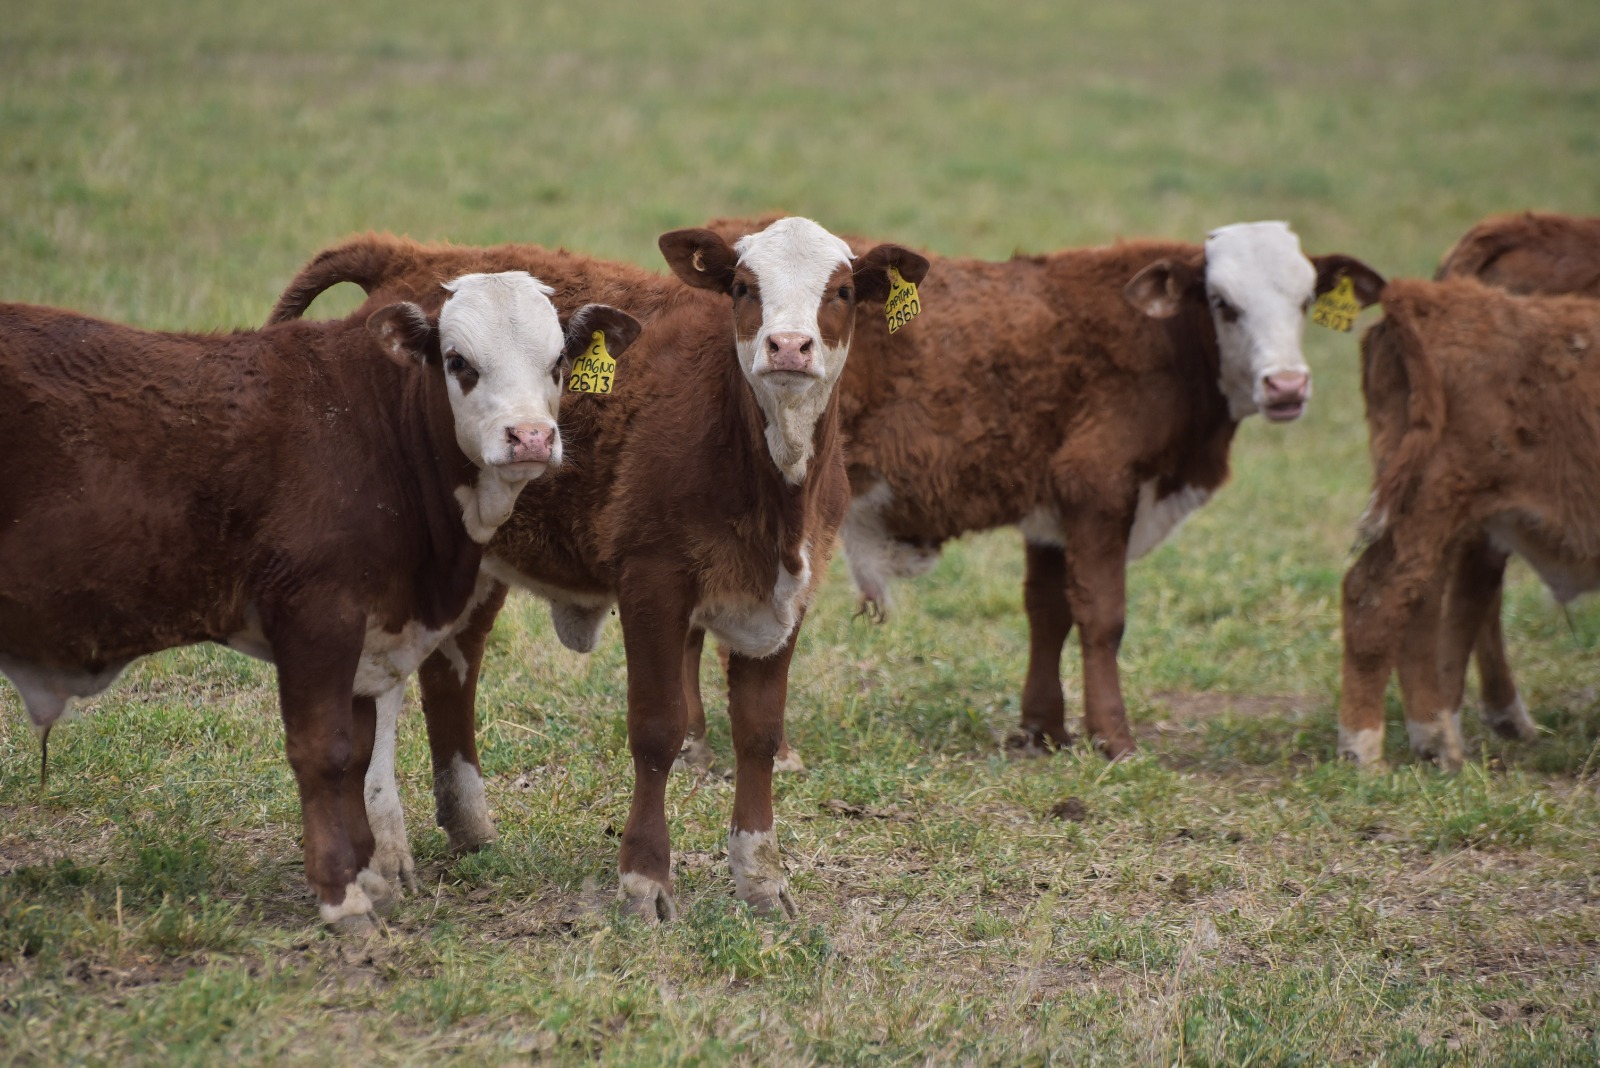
column 903, row 304
column 1337, row 309
column 595, row 370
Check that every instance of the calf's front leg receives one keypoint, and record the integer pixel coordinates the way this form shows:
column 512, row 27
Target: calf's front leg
column 654, row 605
column 328, row 746
column 1096, row 560
column 391, row 854
column 757, row 693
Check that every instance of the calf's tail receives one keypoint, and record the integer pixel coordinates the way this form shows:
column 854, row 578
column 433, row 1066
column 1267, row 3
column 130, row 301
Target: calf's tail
column 1401, row 337
column 366, row 260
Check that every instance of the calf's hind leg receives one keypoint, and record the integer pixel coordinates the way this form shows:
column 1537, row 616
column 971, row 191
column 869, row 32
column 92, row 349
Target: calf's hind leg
column 1043, row 724
column 448, row 681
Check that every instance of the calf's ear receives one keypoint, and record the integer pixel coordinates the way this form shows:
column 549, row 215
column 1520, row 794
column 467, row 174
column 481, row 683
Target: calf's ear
column 1330, row 268
column 618, row 326
column 405, row 334
column 871, row 270
column 1158, row 290
column 700, row 258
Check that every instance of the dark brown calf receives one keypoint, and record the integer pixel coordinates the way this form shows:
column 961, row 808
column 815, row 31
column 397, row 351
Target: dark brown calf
column 702, row 493
column 1088, row 397
column 297, row 493
column 1530, row 253
column 1481, row 408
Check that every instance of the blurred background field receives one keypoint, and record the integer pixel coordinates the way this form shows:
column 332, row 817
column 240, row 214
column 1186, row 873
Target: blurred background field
column 1233, row 895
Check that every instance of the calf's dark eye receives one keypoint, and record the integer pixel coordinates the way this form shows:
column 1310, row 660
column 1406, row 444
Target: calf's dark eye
column 846, row 293
column 740, row 291
column 455, row 363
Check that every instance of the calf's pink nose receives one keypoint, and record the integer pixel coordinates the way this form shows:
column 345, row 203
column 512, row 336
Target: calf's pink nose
column 1287, row 386
column 789, row 352
column 529, row 443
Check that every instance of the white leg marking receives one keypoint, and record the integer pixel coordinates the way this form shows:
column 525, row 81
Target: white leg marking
column 356, row 905
column 391, row 854
column 758, row 874
column 1512, row 720
column 789, row 763
column 462, row 807
column 1365, row 747
column 1439, row 741
column 645, row 898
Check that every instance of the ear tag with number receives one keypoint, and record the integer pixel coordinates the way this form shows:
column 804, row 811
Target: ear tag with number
column 595, row 370
column 903, row 304
column 1338, row 307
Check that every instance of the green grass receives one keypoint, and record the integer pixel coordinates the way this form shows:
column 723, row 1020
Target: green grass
column 1231, row 896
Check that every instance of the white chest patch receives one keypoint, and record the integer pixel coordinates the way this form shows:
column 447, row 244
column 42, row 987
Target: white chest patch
column 759, row 628
column 1154, row 521
column 388, row 657
column 874, row 557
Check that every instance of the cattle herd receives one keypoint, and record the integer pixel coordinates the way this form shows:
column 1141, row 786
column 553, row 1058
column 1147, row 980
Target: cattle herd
column 352, row 499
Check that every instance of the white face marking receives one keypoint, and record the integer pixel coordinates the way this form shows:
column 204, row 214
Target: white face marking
column 505, row 329
column 1258, row 282
column 792, row 259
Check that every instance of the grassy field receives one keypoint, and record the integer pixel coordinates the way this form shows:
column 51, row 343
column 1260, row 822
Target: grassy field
column 1231, row 896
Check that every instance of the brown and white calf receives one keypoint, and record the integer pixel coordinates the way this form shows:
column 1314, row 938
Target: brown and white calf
column 1088, row 397
column 1481, row 408
column 1528, row 253
column 317, row 494
column 706, row 497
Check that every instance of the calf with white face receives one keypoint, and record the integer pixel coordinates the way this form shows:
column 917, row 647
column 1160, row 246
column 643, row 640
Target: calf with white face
column 318, row 495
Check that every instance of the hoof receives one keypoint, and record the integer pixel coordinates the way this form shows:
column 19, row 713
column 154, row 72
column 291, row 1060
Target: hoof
column 696, row 755
column 771, row 900
column 1026, row 743
column 788, row 762
column 461, row 807
column 396, row 869
column 1364, row 748
column 356, row 914
column 644, row 898
column 1117, row 747
column 1438, row 741
column 758, row 875
column 1512, row 721
column 359, row 925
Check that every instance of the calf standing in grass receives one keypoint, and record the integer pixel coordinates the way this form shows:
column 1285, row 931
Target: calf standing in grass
column 1483, row 410
column 1088, row 397
column 317, row 494
column 1529, row 253
column 702, row 493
